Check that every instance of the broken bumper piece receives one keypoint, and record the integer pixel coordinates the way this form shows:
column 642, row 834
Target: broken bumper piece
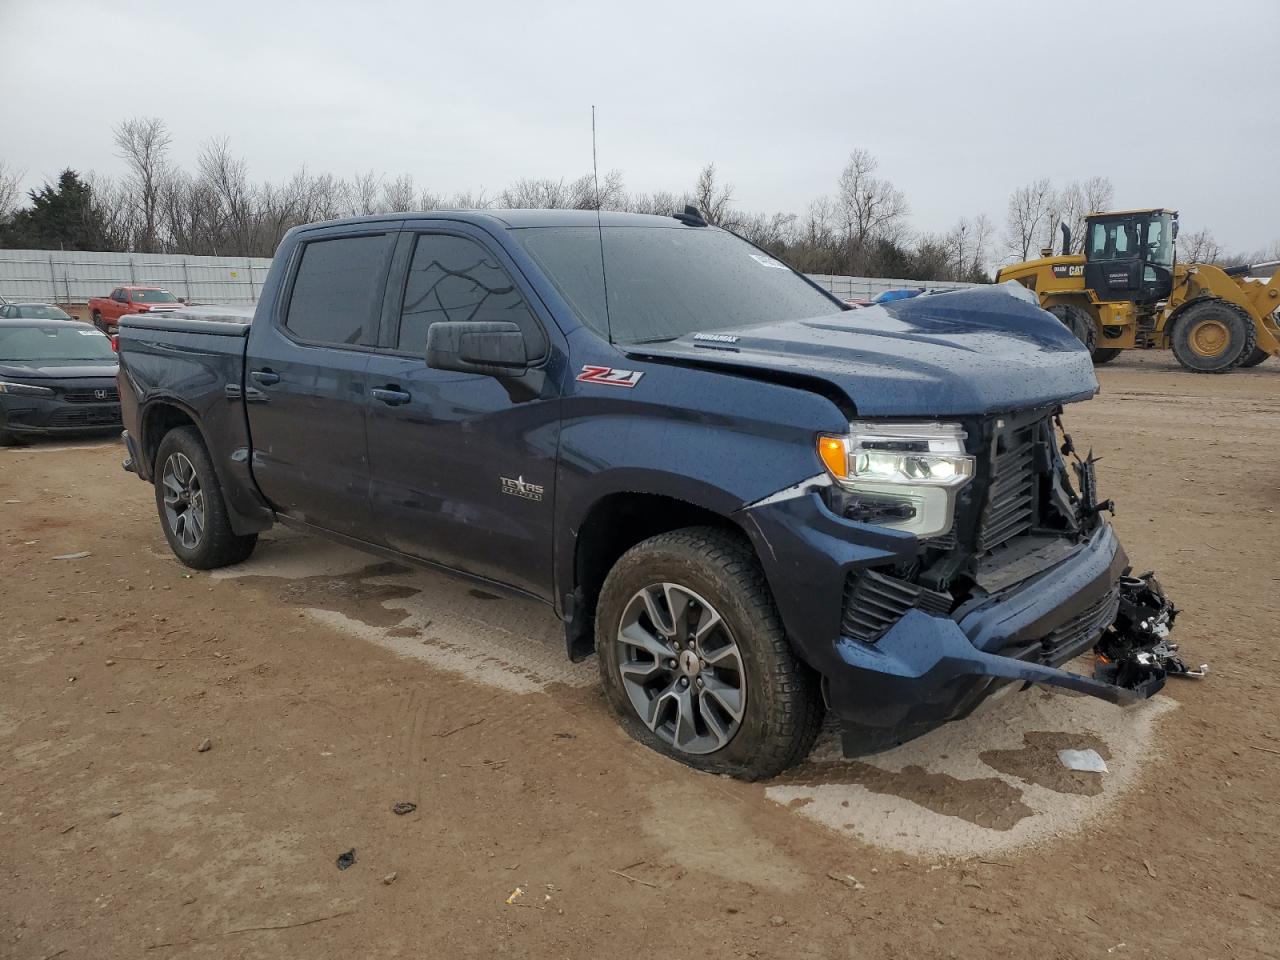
column 928, row 669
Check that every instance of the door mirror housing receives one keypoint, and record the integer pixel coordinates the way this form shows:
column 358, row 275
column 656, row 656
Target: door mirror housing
column 490, row 348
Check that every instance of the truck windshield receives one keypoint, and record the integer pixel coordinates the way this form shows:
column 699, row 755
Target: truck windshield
column 666, row 282
column 153, row 296
column 67, row 342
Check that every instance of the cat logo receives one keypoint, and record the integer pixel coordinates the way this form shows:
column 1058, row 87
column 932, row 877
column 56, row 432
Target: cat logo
column 1065, row 270
column 519, row 488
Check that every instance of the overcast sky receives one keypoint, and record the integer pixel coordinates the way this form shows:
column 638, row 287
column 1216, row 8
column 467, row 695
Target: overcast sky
column 1177, row 102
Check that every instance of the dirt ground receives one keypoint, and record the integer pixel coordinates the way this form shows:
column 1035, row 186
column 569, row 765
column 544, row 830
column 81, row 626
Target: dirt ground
column 332, row 686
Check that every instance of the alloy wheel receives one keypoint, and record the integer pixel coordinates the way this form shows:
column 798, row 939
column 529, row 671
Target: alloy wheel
column 184, row 506
column 681, row 668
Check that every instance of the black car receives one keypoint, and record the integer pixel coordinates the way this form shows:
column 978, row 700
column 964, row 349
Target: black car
column 56, row 377
column 32, row 311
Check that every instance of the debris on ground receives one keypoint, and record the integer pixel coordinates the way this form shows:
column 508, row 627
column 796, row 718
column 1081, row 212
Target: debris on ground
column 390, row 878
column 205, row 746
column 73, row 556
column 403, row 807
column 1089, row 761
column 848, row 880
column 347, row 859
column 111, row 815
column 516, row 894
column 778, row 921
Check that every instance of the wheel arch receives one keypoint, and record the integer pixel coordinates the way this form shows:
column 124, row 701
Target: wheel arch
column 163, row 413
column 611, row 525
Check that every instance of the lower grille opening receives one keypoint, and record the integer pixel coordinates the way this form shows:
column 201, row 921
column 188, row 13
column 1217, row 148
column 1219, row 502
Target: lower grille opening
column 874, row 602
column 1072, row 638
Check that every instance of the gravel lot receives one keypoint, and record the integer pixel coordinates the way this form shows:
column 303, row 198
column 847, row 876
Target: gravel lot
column 331, row 686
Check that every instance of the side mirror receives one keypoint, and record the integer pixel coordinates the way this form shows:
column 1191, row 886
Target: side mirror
column 494, row 349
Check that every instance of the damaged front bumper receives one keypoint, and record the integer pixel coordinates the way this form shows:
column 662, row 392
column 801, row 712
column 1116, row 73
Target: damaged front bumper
column 929, row 668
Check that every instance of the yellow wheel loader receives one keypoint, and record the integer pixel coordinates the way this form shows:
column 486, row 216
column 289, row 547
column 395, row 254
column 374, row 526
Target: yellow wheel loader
column 1127, row 291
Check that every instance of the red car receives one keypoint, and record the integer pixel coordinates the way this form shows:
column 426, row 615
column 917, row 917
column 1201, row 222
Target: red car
column 107, row 311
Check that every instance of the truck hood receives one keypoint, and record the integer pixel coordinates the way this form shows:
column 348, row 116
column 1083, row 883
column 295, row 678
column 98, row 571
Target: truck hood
column 985, row 350
column 57, row 369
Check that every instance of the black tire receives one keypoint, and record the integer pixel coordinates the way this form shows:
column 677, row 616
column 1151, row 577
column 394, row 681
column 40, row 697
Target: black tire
column 783, row 708
column 96, row 317
column 211, row 542
column 1213, row 336
column 1103, row 355
column 1258, row 356
column 1078, row 321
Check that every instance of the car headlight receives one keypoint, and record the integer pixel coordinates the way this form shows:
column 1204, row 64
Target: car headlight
column 24, row 389
column 904, row 475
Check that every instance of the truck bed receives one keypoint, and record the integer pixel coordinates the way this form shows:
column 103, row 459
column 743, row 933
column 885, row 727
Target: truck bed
column 195, row 359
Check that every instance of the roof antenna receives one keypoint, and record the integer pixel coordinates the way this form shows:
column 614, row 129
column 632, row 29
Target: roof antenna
column 604, row 277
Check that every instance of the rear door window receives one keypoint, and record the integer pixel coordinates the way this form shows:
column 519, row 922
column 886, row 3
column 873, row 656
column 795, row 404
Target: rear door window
column 337, row 290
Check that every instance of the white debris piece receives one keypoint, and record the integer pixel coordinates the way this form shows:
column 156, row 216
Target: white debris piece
column 1088, row 760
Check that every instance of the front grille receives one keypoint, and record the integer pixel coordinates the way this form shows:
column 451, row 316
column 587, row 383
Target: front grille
column 108, row 395
column 88, row 417
column 1014, row 488
column 874, row 602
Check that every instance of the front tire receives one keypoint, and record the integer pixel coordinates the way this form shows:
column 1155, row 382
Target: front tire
column 1104, row 355
column 1078, row 321
column 1213, row 336
column 97, row 321
column 192, row 511
column 1258, row 356
column 694, row 660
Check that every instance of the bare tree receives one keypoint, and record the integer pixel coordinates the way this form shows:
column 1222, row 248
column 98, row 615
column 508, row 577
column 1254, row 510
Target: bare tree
column 872, row 207
column 1199, row 247
column 143, row 143
column 1077, row 200
column 1029, row 207
column 966, row 246
column 662, row 204
column 713, row 199
column 772, row 231
column 398, row 194
column 10, row 191
column 114, row 205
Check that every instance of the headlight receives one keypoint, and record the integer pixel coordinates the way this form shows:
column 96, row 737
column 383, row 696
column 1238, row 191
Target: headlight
column 24, row 389
column 905, row 475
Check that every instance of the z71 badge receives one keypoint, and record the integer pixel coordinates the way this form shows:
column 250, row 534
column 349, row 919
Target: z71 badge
column 610, row 376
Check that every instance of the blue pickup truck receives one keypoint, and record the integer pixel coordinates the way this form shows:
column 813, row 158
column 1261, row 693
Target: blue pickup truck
column 753, row 504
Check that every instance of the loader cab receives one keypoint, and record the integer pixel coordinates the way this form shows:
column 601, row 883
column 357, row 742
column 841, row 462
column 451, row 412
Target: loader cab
column 1129, row 255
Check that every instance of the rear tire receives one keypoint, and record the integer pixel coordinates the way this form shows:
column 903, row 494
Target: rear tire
column 189, row 501
column 1213, row 336
column 1078, row 321
column 705, row 657
column 1105, row 355
column 1258, row 356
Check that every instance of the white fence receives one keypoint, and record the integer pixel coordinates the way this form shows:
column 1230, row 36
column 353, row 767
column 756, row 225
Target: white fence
column 866, row 288
column 73, row 276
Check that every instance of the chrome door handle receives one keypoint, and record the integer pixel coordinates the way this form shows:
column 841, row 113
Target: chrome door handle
column 391, row 396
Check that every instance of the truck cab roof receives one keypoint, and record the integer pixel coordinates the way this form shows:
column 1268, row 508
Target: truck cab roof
column 517, row 219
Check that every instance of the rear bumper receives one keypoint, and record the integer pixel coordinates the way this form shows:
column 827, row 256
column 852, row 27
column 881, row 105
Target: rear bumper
column 928, row 669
